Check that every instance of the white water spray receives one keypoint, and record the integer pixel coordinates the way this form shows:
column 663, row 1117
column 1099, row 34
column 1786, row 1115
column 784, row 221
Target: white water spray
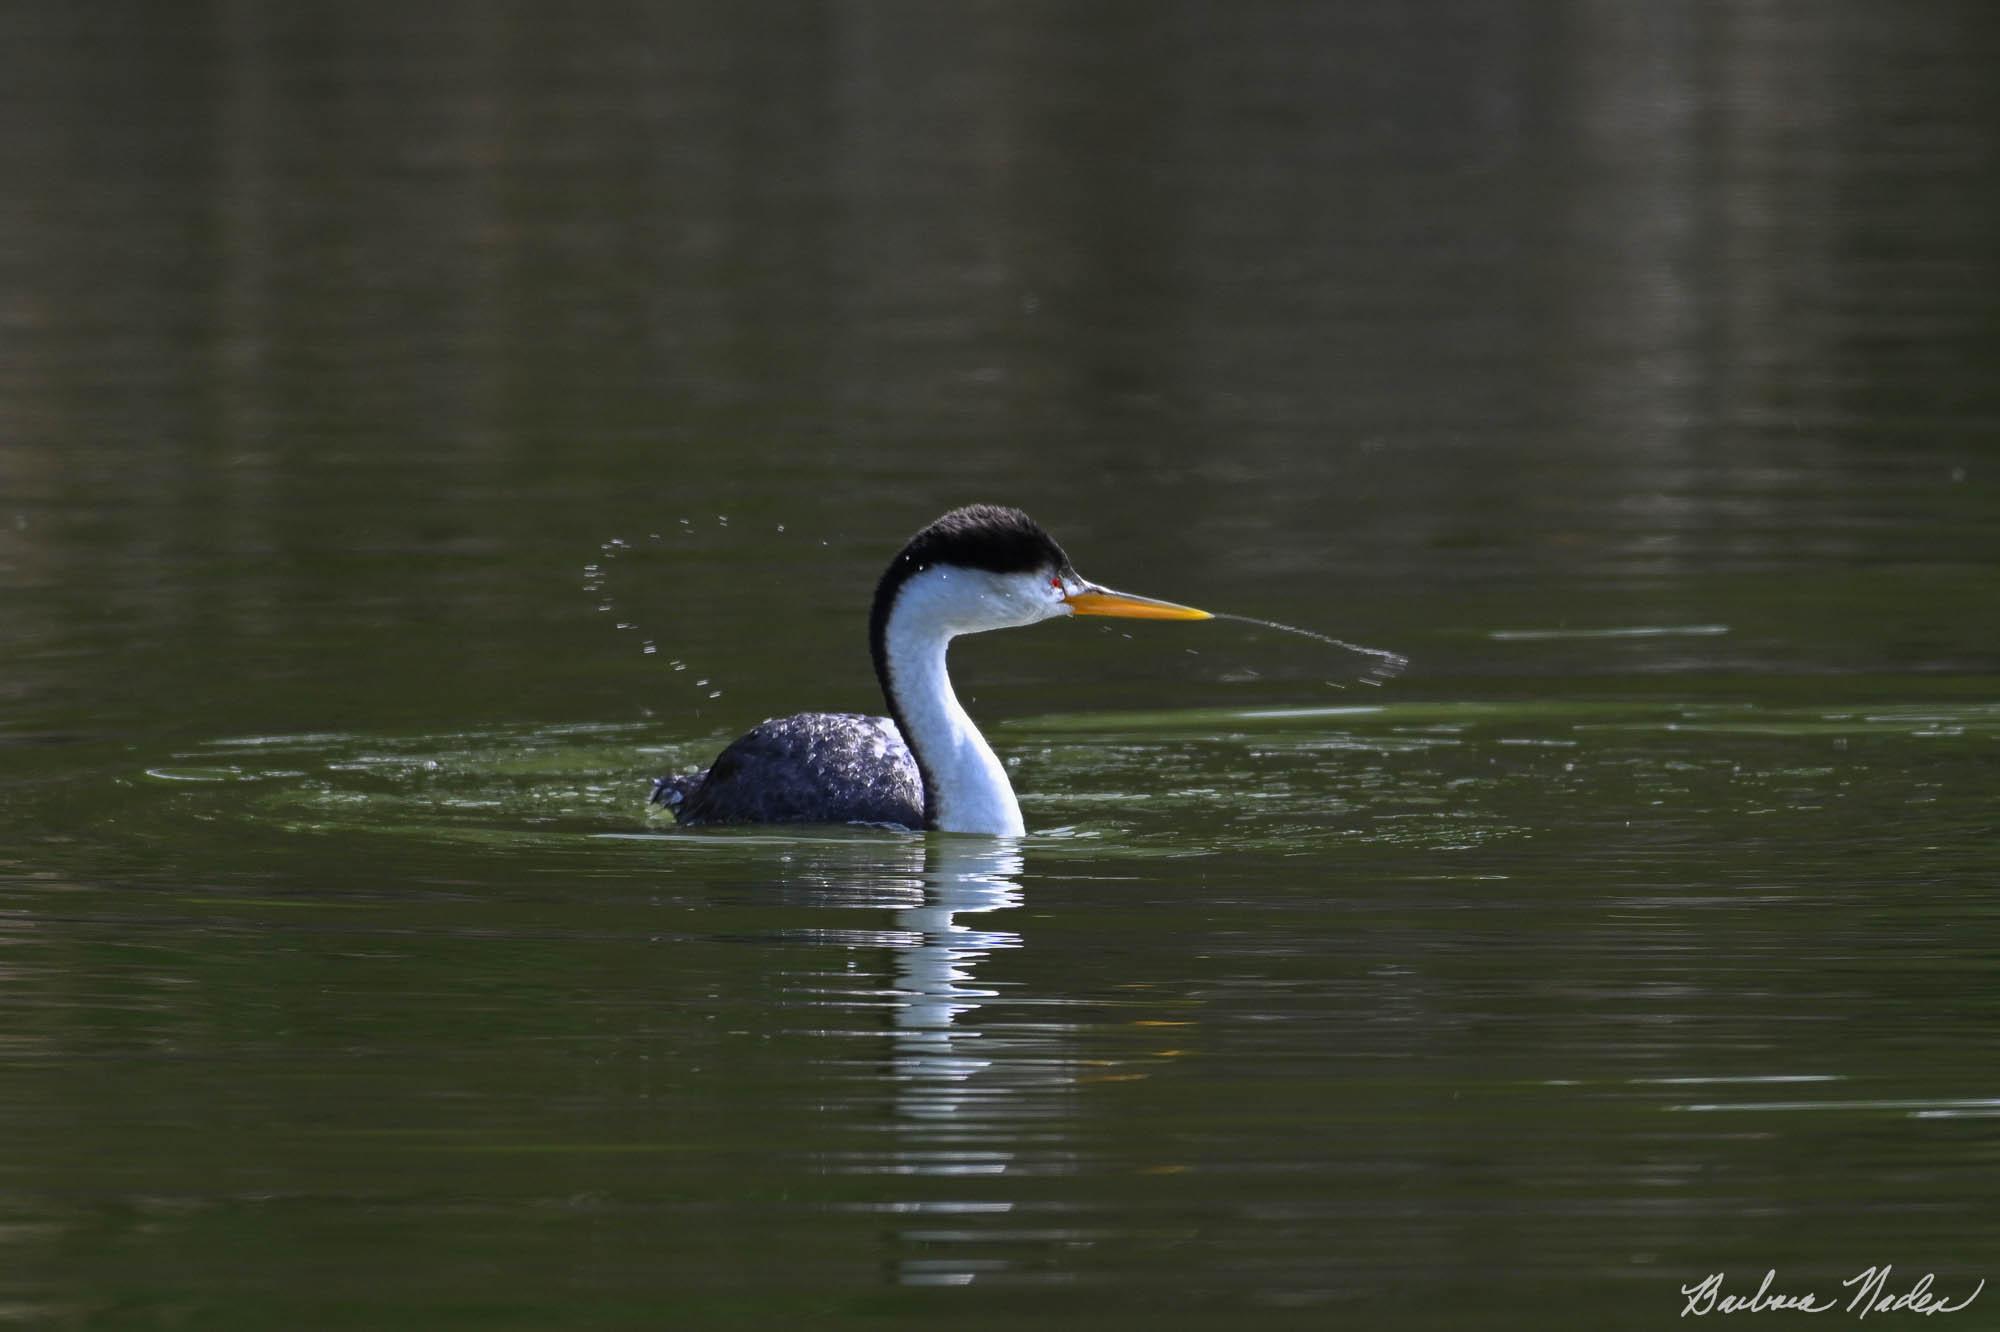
column 1382, row 665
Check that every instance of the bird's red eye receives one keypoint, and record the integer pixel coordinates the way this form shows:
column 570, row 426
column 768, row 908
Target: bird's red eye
column 1055, row 581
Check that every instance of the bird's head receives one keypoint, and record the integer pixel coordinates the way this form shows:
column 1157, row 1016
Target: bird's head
column 987, row 567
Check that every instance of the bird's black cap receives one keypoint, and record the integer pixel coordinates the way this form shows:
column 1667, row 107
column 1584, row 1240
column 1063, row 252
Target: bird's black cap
column 980, row 536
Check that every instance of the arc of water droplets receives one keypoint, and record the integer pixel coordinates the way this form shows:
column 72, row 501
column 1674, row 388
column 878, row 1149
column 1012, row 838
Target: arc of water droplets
column 596, row 572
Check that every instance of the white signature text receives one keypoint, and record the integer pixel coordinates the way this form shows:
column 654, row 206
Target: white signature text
column 1870, row 1293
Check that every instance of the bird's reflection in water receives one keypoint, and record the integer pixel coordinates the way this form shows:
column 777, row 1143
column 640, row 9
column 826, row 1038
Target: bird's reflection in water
column 973, row 1103
column 959, row 1091
column 935, row 1054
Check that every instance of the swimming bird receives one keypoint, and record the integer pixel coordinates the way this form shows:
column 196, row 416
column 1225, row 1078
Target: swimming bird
column 925, row 765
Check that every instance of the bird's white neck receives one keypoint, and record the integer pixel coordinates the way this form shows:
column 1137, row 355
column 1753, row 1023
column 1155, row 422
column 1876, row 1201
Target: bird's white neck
column 966, row 785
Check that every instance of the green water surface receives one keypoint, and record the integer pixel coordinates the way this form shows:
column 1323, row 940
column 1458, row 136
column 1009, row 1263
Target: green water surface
column 419, row 427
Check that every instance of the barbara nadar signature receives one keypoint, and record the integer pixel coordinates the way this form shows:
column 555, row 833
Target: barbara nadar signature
column 1869, row 1287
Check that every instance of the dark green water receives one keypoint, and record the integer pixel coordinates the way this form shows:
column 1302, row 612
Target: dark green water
column 363, row 369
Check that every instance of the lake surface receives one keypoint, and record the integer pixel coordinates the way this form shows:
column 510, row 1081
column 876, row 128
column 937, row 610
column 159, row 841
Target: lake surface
column 422, row 425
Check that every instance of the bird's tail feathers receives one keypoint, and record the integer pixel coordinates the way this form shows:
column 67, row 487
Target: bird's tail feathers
column 676, row 792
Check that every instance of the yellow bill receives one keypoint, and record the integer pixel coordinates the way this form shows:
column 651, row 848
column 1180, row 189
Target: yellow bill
column 1103, row 601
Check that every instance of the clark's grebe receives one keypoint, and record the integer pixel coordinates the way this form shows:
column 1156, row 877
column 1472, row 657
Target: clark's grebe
column 925, row 765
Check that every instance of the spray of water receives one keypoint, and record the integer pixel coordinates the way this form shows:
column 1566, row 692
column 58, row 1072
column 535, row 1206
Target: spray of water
column 1381, row 665
column 597, row 578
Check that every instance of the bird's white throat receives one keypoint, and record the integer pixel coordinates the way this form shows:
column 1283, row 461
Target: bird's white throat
column 967, row 784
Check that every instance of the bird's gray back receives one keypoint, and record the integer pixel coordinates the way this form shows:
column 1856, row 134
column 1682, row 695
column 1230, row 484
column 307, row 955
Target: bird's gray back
column 812, row 767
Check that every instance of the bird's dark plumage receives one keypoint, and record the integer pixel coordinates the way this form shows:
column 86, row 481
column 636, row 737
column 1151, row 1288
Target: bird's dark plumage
column 814, row 767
